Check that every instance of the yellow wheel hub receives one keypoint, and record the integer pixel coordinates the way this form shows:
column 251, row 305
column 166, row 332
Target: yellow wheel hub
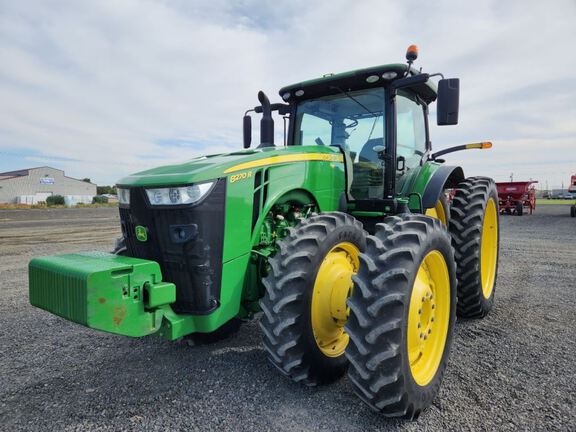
column 438, row 212
column 332, row 288
column 428, row 317
column 489, row 248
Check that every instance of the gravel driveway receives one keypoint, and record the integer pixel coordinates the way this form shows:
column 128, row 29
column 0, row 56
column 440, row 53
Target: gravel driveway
column 515, row 369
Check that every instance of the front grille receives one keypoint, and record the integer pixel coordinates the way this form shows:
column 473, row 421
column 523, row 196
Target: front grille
column 186, row 241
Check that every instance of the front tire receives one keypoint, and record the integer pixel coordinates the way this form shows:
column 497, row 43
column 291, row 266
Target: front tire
column 475, row 230
column 402, row 315
column 305, row 301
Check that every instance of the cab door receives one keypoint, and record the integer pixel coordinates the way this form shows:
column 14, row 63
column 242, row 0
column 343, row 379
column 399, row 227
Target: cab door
column 410, row 138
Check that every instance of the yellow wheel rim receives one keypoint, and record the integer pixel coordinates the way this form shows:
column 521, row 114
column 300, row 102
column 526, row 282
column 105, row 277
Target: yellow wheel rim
column 437, row 212
column 428, row 317
column 489, row 248
column 332, row 288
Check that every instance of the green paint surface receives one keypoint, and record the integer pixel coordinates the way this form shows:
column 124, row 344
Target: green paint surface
column 210, row 167
column 417, row 181
column 102, row 291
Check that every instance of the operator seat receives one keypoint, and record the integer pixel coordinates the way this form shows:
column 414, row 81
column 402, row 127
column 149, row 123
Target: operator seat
column 367, row 154
column 367, row 172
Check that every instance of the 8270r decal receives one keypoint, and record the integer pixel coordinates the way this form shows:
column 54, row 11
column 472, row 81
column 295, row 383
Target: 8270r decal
column 240, row 176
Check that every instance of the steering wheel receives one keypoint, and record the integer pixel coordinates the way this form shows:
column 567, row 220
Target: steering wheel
column 351, row 125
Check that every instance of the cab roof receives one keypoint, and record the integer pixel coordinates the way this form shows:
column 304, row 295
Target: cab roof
column 353, row 80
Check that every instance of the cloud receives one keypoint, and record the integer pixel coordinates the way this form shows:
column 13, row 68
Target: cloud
column 105, row 88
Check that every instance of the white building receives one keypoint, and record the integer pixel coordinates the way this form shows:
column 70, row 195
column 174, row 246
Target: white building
column 34, row 185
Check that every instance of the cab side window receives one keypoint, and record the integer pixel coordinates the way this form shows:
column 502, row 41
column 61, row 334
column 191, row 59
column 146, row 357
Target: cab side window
column 410, row 129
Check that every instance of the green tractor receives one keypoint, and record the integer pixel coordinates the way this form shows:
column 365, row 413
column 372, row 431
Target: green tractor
column 343, row 237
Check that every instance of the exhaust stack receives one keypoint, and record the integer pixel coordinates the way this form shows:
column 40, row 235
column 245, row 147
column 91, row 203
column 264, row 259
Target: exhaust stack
column 267, row 122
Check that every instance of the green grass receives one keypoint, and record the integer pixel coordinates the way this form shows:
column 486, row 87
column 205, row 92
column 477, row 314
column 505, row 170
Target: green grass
column 547, row 201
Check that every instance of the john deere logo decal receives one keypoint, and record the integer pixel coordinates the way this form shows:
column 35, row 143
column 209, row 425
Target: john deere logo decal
column 141, row 233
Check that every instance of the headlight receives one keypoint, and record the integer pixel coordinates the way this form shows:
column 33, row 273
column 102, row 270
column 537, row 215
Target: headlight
column 179, row 195
column 123, row 196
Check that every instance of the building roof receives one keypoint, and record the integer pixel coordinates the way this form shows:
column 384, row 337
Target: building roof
column 11, row 174
column 26, row 171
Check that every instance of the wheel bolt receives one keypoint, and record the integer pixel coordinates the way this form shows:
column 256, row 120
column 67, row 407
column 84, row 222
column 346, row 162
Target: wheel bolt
column 432, row 319
column 423, row 299
column 425, row 337
column 433, row 306
column 419, row 325
column 420, row 311
column 422, row 335
column 429, row 331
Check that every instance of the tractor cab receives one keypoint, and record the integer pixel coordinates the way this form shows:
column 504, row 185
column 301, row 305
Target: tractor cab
column 377, row 118
column 355, row 122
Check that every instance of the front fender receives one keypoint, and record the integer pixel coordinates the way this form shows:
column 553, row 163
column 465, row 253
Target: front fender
column 444, row 177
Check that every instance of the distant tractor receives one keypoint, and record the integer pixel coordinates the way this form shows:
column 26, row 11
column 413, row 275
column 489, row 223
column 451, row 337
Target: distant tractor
column 515, row 196
column 572, row 190
column 342, row 237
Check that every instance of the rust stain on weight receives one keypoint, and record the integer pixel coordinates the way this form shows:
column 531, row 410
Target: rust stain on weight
column 119, row 314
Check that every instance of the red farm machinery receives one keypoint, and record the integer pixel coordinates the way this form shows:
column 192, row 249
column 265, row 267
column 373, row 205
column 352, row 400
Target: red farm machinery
column 572, row 190
column 514, row 196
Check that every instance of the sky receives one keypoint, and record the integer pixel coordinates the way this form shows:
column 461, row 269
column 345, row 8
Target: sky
column 106, row 88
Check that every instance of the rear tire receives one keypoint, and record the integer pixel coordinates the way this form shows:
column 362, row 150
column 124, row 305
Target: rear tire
column 441, row 210
column 399, row 345
column 519, row 209
column 573, row 211
column 289, row 334
column 475, row 239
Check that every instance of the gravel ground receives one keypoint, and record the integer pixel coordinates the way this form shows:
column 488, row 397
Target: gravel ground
column 515, row 369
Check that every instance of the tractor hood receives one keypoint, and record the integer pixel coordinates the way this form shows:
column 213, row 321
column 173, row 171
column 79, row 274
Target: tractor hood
column 199, row 169
column 210, row 167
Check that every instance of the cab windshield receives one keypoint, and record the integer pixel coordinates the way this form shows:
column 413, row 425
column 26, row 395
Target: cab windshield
column 354, row 122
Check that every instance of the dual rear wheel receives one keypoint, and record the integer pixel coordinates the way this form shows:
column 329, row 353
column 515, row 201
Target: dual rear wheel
column 403, row 310
column 382, row 307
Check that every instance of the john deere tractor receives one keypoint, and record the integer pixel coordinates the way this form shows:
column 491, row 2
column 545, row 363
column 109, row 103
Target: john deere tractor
column 343, row 237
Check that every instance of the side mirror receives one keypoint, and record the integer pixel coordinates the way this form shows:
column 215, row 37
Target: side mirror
column 448, row 101
column 247, row 131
